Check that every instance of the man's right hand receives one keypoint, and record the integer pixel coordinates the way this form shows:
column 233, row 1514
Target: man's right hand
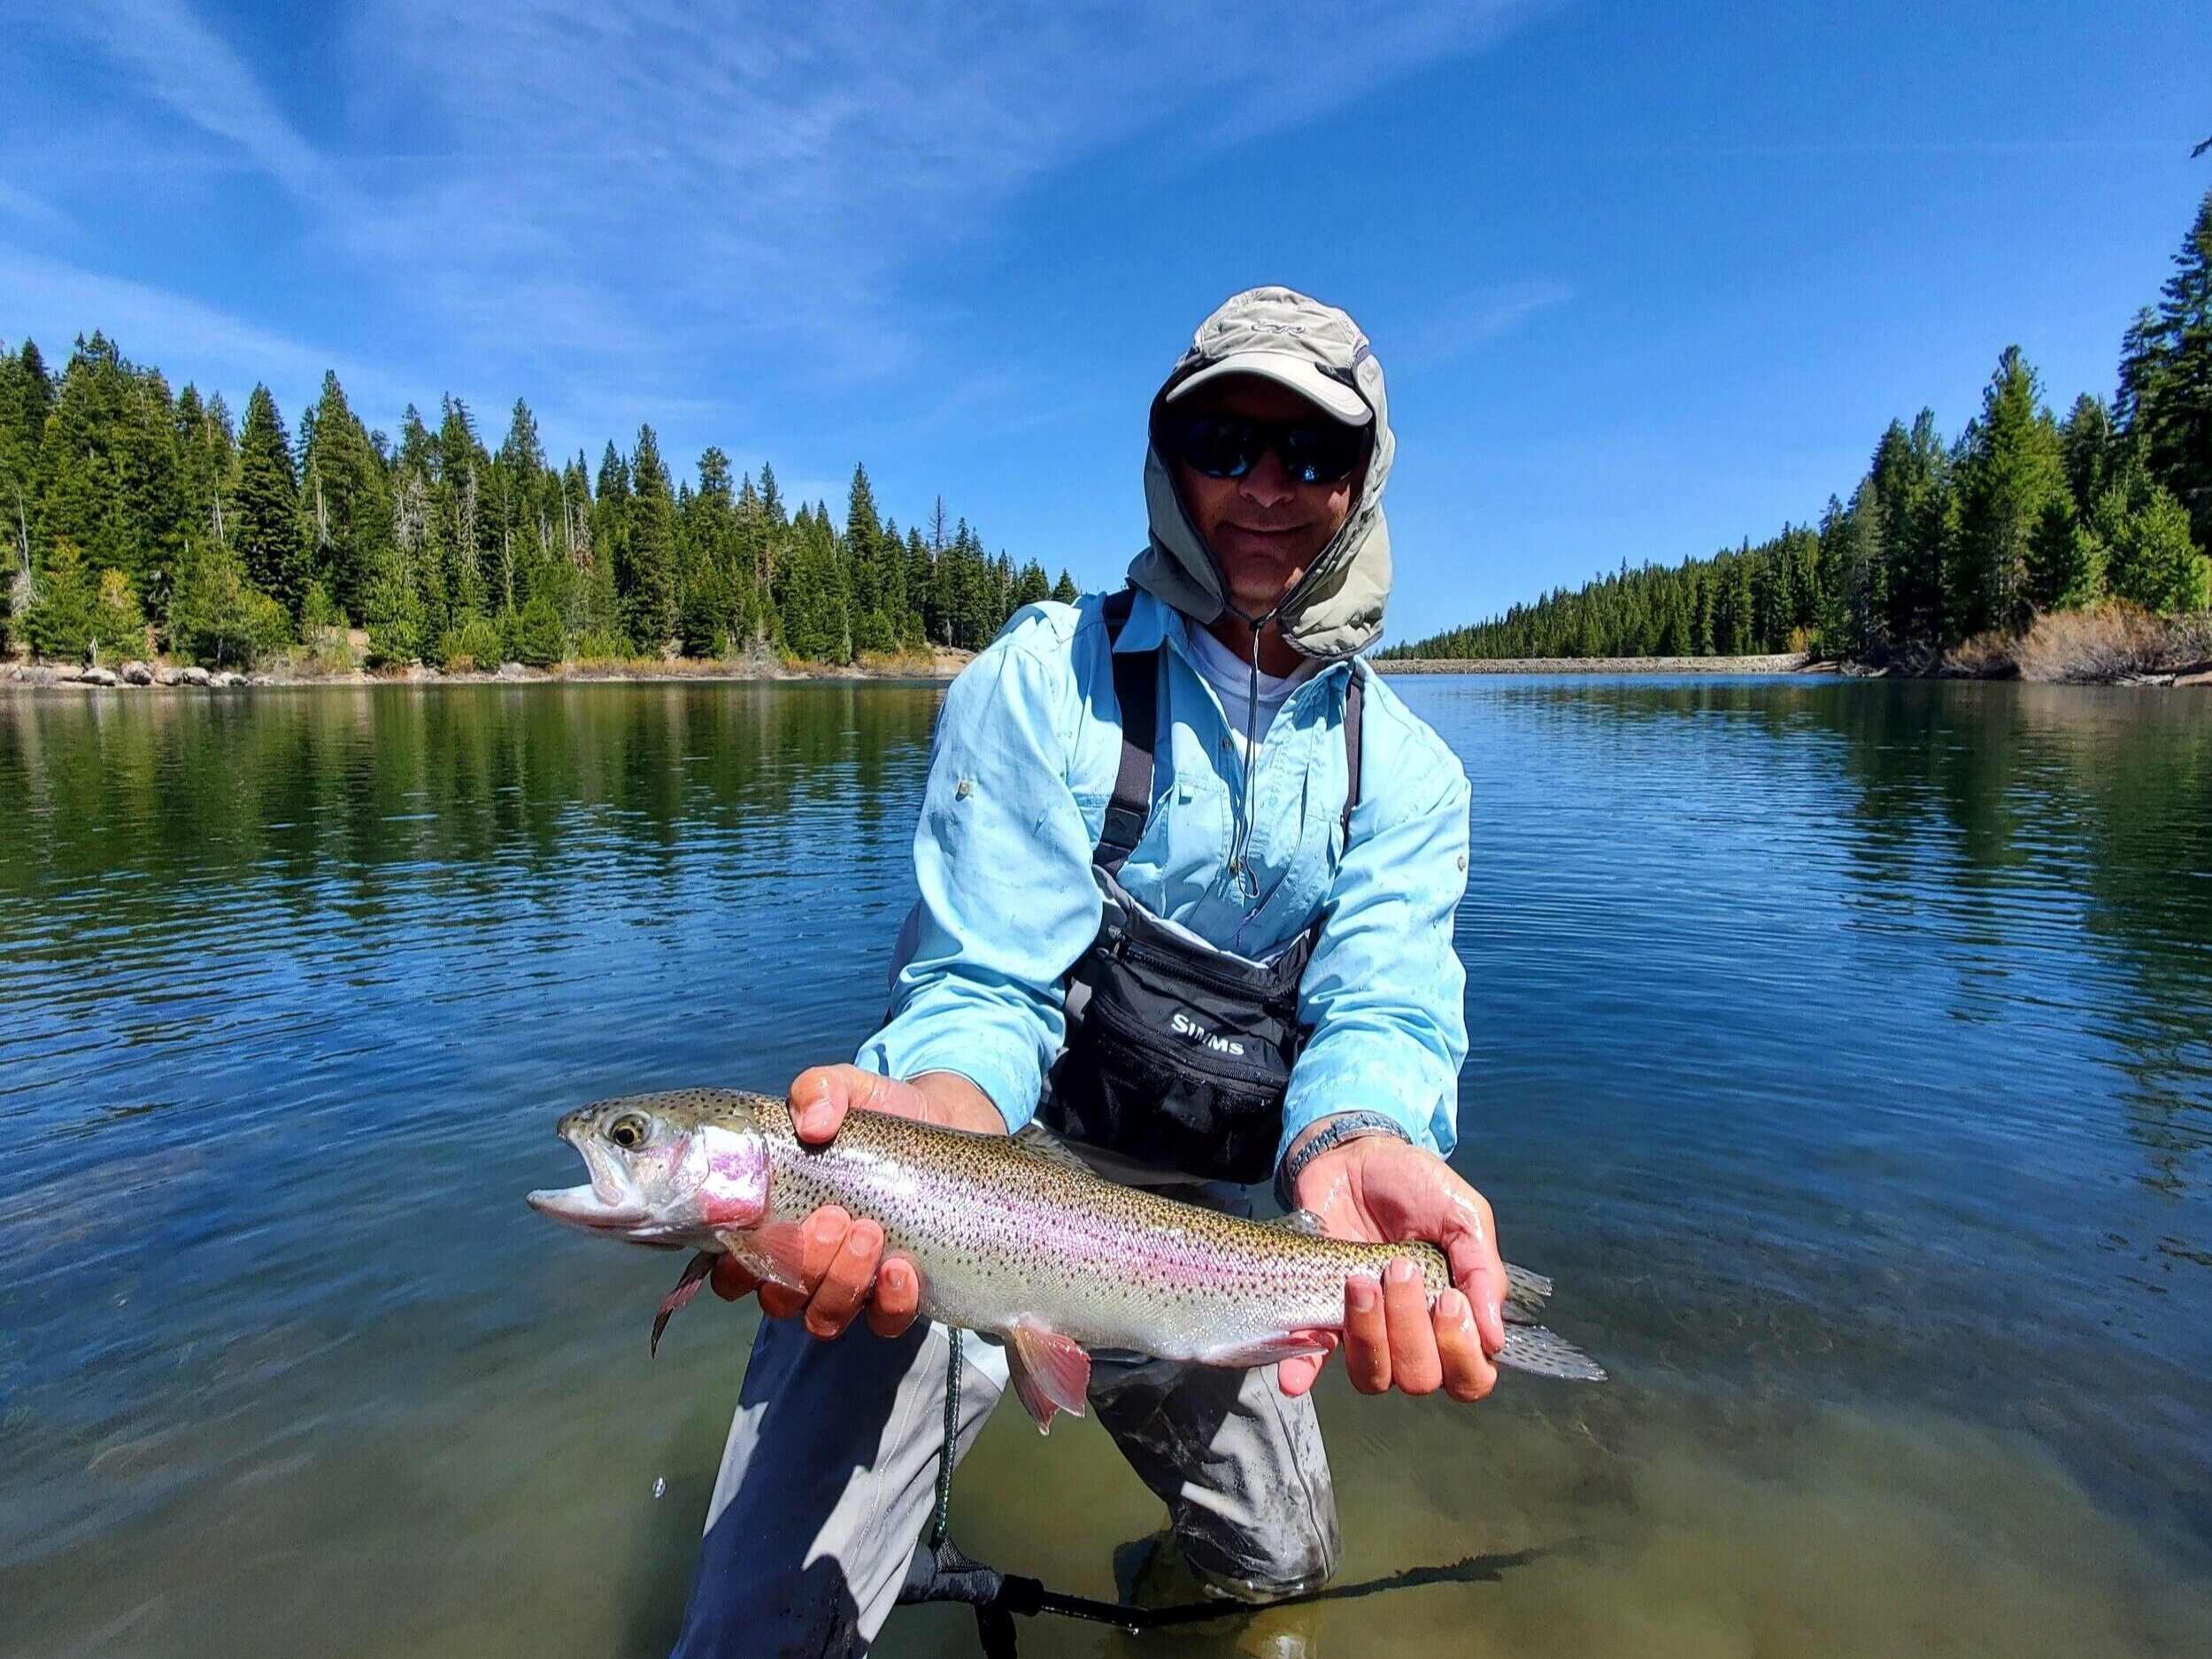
column 845, row 1269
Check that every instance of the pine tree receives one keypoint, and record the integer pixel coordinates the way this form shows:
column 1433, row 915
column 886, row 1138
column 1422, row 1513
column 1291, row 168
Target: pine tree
column 2143, row 533
column 221, row 620
column 2166, row 380
column 346, row 500
column 59, row 623
column 461, row 519
column 2012, row 474
column 268, row 536
column 644, row 572
column 107, row 470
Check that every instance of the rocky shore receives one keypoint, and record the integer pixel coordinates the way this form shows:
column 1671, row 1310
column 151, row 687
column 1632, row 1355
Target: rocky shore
column 940, row 666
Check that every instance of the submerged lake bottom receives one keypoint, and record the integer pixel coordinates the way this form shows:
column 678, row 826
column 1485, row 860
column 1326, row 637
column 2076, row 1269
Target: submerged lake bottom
column 1843, row 1050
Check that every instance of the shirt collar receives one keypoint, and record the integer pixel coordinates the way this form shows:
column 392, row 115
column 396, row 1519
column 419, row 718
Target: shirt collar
column 1154, row 622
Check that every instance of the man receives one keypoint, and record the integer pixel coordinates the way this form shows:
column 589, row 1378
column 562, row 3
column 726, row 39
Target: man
column 1201, row 767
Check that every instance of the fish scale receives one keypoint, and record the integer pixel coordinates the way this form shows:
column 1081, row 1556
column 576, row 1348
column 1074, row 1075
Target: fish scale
column 1013, row 1235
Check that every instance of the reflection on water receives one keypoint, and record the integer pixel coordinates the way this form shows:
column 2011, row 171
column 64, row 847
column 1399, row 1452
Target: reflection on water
column 1841, row 1048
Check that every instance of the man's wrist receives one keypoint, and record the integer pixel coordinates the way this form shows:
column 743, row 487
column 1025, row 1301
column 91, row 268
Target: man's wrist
column 958, row 1101
column 1325, row 1134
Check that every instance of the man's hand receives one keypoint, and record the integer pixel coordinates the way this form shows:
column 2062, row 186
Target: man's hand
column 1380, row 1189
column 845, row 1269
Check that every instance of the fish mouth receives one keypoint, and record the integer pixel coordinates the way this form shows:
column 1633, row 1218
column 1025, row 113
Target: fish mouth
column 608, row 1202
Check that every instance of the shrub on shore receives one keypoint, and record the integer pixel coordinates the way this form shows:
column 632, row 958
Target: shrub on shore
column 2098, row 644
column 221, row 620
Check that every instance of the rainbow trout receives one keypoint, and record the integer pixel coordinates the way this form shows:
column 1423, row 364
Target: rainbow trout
column 1014, row 1237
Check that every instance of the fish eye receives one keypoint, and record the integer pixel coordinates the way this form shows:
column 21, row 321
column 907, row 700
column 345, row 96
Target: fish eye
column 628, row 1130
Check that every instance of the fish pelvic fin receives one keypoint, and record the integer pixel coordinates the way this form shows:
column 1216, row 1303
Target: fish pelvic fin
column 1533, row 1349
column 695, row 1274
column 1267, row 1350
column 1050, row 1373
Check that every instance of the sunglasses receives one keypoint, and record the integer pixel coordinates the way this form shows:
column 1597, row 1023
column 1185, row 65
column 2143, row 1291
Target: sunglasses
column 1231, row 445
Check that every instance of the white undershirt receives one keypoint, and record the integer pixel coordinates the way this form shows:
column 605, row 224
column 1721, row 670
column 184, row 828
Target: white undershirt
column 1230, row 676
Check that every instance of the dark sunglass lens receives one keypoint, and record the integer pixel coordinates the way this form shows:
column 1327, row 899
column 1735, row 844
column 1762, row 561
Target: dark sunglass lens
column 1215, row 445
column 1322, row 454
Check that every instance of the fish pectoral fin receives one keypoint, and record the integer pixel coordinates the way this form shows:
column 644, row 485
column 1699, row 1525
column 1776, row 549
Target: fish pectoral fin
column 775, row 1251
column 1049, row 1372
column 695, row 1274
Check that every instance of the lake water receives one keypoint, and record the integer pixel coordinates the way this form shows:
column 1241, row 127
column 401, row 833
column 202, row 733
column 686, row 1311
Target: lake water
column 1844, row 1050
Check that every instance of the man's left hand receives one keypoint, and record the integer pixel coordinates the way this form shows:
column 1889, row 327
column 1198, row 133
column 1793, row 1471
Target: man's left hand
column 1382, row 1190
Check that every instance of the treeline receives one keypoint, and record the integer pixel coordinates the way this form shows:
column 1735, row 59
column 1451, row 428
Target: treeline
column 136, row 519
column 2023, row 512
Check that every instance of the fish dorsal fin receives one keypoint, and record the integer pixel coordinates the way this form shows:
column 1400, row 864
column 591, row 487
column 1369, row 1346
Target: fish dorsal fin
column 1050, row 1373
column 1304, row 1223
column 1034, row 1137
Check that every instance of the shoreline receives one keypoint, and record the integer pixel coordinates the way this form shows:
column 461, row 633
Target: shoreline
column 939, row 669
column 1781, row 663
column 945, row 664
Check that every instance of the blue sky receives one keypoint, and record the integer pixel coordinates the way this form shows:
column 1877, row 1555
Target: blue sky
column 1644, row 279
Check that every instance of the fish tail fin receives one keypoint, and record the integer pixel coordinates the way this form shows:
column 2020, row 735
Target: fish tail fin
column 1534, row 1349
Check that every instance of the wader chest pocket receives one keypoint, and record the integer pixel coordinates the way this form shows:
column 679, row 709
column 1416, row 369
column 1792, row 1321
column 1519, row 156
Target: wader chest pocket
column 1172, row 1064
column 1178, row 1053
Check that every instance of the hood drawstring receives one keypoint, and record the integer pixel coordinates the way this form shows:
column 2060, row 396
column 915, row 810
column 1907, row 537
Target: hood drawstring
column 1239, row 865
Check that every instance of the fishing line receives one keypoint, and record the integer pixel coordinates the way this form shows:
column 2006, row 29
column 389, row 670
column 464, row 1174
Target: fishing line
column 942, row 1572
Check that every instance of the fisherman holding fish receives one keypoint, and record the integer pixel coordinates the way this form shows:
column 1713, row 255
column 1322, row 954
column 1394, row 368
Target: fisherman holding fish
column 1187, row 874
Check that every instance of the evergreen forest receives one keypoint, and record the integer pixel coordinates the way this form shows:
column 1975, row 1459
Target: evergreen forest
column 2025, row 512
column 135, row 519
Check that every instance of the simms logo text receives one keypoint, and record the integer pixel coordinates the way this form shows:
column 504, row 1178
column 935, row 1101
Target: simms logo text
column 1185, row 1026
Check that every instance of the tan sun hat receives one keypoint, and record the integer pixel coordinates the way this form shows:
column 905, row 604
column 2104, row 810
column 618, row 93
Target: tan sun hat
column 1280, row 336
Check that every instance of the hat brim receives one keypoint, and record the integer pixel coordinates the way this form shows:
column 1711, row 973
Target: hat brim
column 1300, row 374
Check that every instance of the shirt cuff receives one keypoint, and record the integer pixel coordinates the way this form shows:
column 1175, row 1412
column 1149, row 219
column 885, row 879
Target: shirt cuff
column 1337, row 1091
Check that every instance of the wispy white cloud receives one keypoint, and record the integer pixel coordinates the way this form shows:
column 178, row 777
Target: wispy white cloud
column 1470, row 320
column 47, row 301
column 183, row 64
column 565, row 175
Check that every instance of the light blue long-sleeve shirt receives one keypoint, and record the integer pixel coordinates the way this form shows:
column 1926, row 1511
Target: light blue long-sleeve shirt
column 1027, row 747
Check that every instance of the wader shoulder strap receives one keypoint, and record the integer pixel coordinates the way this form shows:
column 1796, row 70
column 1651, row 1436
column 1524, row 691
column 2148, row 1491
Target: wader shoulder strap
column 1354, row 708
column 1137, row 688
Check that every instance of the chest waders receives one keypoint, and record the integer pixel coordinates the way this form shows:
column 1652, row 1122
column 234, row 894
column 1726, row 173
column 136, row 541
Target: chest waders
column 1178, row 1057
column 1178, row 1054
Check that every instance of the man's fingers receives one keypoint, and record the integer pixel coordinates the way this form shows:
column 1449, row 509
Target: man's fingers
column 1468, row 1372
column 732, row 1280
column 821, row 1096
column 897, row 1297
column 1415, row 1366
column 1297, row 1375
column 1470, row 1245
column 778, row 1302
column 1366, row 1349
column 821, row 1237
column 846, row 1282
